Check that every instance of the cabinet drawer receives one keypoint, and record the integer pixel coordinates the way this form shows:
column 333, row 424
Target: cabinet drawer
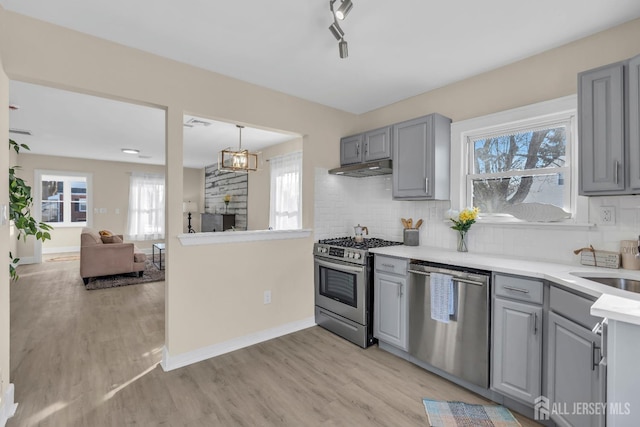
column 573, row 307
column 518, row 288
column 391, row 265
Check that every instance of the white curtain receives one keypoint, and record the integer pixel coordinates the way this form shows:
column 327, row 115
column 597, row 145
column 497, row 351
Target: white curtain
column 286, row 192
column 146, row 207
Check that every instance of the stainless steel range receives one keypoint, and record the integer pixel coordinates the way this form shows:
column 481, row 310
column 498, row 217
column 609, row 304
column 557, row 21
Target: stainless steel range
column 344, row 287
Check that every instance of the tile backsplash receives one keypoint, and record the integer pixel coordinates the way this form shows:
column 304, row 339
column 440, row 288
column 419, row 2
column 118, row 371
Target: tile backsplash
column 343, row 202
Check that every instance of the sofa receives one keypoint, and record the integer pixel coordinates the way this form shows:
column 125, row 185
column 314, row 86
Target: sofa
column 103, row 254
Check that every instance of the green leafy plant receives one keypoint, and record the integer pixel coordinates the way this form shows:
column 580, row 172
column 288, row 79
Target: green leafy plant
column 20, row 203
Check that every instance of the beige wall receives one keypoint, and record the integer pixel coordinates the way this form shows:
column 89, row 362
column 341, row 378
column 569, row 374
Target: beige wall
column 260, row 185
column 110, row 182
column 221, row 298
column 200, row 310
column 4, row 239
column 549, row 75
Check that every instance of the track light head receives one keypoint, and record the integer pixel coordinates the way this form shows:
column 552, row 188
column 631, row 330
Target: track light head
column 336, row 31
column 344, row 9
column 344, row 51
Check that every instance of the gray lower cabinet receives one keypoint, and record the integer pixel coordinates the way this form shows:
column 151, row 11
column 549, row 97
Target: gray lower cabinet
column 517, row 349
column 421, row 150
column 390, row 312
column 516, row 352
column 576, row 374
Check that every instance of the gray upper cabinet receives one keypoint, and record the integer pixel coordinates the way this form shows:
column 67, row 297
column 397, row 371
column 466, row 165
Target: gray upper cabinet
column 421, row 150
column 601, row 133
column 351, row 149
column 609, row 129
column 634, row 122
column 366, row 147
column 377, row 144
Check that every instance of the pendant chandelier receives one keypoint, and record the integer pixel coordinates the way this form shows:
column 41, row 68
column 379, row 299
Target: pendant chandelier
column 237, row 160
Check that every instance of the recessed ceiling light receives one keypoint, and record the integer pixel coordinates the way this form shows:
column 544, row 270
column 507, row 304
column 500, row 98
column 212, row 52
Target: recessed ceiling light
column 130, row 151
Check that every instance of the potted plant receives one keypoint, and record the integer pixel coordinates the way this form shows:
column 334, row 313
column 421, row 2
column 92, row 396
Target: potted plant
column 20, row 203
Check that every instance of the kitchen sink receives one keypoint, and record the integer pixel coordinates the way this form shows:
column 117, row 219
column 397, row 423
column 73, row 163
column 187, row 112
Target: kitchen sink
column 627, row 284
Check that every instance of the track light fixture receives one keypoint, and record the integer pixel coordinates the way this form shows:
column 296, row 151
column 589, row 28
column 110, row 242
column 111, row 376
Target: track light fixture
column 342, row 11
column 342, row 46
column 336, row 31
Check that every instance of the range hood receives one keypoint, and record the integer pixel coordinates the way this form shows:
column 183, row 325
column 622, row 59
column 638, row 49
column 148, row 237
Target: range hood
column 362, row 170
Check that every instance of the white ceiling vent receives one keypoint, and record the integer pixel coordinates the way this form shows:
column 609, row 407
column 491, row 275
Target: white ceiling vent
column 196, row 122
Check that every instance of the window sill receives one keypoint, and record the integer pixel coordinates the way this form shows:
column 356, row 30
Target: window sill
column 210, row 238
column 568, row 225
column 67, row 224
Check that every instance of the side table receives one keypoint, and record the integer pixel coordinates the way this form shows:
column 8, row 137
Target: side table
column 160, row 247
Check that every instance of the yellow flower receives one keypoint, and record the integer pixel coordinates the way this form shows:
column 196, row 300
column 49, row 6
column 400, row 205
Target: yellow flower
column 227, row 198
column 465, row 219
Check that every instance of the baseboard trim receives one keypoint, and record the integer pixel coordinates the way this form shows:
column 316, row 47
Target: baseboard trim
column 170, row 362
column 8, row 407
column 61, row 250
column 28, row 260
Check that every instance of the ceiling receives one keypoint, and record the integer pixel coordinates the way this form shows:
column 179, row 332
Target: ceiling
column 69, row 124
column 397, row 49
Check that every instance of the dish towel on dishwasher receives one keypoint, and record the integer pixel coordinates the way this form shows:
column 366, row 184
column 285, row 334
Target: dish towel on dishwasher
column 442, row 300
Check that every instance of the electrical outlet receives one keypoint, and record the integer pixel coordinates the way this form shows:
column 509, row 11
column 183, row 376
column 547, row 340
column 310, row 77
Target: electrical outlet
column 267, row 297
column 607, row 215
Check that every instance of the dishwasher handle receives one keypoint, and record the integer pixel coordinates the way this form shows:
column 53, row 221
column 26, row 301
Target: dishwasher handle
column 454, row 278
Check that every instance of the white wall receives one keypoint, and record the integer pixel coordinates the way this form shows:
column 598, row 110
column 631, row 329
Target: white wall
column 343, row 202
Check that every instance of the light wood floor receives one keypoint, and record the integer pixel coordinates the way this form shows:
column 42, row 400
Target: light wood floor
column 90, row 358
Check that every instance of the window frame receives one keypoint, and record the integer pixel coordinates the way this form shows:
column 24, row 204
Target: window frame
column 543, row 112
column 65, row 176
column 565, row 119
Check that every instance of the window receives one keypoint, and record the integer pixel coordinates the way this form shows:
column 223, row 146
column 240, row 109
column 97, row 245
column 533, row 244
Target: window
column 146, row 207
column 286, row 192
column 521, row 164
column 517, row 156
column 63, row 199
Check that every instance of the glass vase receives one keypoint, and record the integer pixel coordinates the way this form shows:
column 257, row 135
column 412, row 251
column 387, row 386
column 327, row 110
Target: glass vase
column 462, row 241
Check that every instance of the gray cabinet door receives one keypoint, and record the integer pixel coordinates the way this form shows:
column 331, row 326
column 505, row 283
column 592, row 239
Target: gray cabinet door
column 573, row 375
column 351, row 150
column 377, row 144
column 601, row 130
column 634, row 122
column 412, row 158
column 421, row 150
column 390, row 311
column 517, row 350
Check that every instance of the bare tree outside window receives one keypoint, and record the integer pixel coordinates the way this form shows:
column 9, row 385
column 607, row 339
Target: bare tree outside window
column 520, row 167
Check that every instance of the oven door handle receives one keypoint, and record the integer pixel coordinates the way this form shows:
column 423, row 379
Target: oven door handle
column 337, row 266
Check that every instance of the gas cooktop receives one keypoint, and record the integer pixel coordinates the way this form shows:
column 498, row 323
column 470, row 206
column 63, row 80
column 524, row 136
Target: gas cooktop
column 350, row 242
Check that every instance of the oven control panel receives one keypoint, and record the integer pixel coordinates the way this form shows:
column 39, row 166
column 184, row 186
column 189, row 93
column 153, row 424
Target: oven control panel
column 355, row 256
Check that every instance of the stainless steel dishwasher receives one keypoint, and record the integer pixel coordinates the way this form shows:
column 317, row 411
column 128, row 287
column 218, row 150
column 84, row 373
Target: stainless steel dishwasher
column 461, row 346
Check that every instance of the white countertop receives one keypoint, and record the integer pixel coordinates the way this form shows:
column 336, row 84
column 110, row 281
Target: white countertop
column 618, row 304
